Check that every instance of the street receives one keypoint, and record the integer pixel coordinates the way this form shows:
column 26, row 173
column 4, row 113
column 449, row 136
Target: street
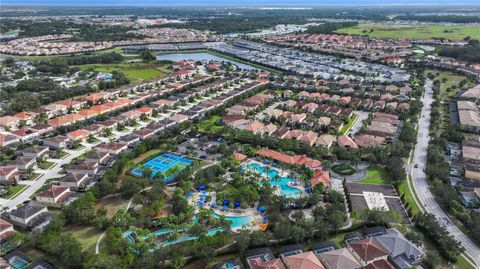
column 419, row 178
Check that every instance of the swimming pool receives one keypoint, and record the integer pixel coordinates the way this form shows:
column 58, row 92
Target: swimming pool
column 18, row 263
column 281, row 182
column 237, row 221
column 162, row 163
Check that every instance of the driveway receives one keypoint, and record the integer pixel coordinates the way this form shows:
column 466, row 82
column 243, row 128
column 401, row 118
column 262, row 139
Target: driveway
column 419, row 178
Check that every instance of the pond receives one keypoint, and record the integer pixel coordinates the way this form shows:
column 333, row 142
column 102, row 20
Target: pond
column 201, row 56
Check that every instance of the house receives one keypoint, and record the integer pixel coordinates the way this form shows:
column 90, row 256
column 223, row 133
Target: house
column 23, row 163
column 367, row 251
column 472, row 171
column 130, row 140
column 281, row 132
column 42, row 129
column 145, row 133
column 320, row 176
column 78, row 135
column 262, row 258
column 308, row 137
column 346, row 142
column 339, row 259
column 179, row 118
column 90, row 168
column 9, row 122
column 254, row 127
column 290, row 250
column 58, row 142
column 403, row 253
column 98, row 157
column 383, row 129
column 57, row 109
column 8, row 139
column 30, row 216
column 112, row 148
column 7, row 242
column 76, row 181
column 305, row 260
column 38, row 152
column 324, row 121
column 25, row 135
column 9, row 175
column 56, row 196
column 326, row 140
column 26, row 117
column 368, row 141
column 72, row 104
column 268, row 129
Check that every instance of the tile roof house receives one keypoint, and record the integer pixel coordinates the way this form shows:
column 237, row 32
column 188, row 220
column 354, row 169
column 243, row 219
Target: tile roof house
column 308, row 137
column 23, row 163
column 367, row 251
column 296, row 159
column 262, row 258
column 56, row 196
column 324, row 121
column 320, row 176
column 8, row 139
column 305, row 260
column 25, row 134
column 9, row 122
column 28, row 117
column 281, row 132
column 368, row 141
column 76, row 181
column 98, row 157
column 9, row 175
column 78, row 135
column 112, row 148
column 339, row 259
column 402, row 252
column 56, row 142
column 30, row 216
column 6, row 233
column 326, row 140
column 346, row 142
column 179, row 118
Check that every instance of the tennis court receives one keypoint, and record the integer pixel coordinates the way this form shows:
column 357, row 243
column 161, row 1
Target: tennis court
column 162, row 163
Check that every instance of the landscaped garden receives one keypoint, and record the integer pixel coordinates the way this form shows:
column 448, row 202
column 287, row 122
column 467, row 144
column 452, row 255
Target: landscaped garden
column 344, row 169
column 376, row 175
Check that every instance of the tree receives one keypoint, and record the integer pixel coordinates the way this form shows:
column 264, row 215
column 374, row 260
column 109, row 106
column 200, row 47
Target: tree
column 115, row 243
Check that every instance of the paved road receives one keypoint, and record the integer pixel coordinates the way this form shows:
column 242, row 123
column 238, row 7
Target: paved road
column 362, row 115
column 421, row 185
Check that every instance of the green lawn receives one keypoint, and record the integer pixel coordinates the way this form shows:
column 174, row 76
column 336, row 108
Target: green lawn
column 15, row 190
column 86, row 235
column 409, row 198
column 349, row 125
column 209, row 125
column 136, row 72
column 45, row 165
column 62, row 154
column 376, row 175
column 414, row 31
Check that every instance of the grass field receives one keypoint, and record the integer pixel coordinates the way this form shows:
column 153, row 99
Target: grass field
column 86, row 235
column 414, row 32
column 136, row 72
column 208, row 125
column 409, row 198
column 112, row 203
column 376, row 175
column 146, row 155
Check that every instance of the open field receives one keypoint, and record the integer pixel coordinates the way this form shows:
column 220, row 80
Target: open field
column 86, row 235
column 136, row 72
column 414, row 32
column 409, row 198
column 112, row 203
column 376, row 175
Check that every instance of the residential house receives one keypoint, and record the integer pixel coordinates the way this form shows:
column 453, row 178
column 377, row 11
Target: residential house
column 367, row 251
column 30, row 216
column 9, row 175
column 98, row 157
column 380, row 264
column 326, row 140
column 76, row 182
column 112, row 148
column 56, row 196
column 262, row 258
column 8, row 139
column 58, row 142
column 320, row 176
column 82, row 167
column 7, row 242
column 78, row 135
column 305, row 260
column 403, row 253
column 368, row 141
column 9, row 122
column 339, row 259
column 25, row 135
column 26, row 117
column 38, row 152
column 23, row 163
column 130, row 140
column 346, row 142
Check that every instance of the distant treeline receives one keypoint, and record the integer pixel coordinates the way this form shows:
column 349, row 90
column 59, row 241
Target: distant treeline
column 437, row 18
column 329, row 27
column 470, row 53
column 63, row 65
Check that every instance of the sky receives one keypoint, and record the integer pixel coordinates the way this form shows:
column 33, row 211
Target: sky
column 234, row 2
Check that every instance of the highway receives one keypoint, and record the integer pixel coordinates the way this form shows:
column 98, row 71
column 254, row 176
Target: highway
column 420, row 182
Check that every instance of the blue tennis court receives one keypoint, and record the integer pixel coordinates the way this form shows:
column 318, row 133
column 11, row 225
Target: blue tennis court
column 162, row 163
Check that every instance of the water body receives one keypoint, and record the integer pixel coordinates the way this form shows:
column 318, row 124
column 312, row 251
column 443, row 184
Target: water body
column 201, row 56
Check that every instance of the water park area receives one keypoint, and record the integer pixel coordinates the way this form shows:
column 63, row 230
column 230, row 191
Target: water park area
column 285, row 184
column 164, row 163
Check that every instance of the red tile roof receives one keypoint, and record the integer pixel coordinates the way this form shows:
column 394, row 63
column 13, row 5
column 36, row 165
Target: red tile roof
column 368, row 249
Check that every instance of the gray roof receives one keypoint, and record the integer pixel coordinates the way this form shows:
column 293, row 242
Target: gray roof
column 400, row 248
column 339, row 259
column 27, row 210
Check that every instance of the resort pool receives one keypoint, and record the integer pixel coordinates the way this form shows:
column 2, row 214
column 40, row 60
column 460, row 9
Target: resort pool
column 281, row 182
column 162, row 163
column 237, row 221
